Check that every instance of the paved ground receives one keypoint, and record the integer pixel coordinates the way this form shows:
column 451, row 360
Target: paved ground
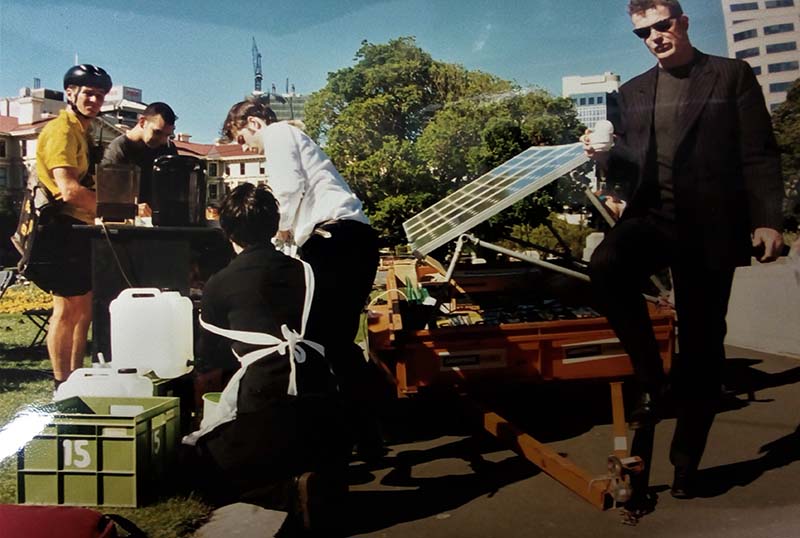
column 428, row 488
column 444, row 478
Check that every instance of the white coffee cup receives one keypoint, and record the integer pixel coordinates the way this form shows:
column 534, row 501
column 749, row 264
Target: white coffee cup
column 602, row 136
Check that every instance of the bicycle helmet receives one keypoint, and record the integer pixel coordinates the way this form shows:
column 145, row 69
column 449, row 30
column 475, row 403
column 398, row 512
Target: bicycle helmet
column 87, row 75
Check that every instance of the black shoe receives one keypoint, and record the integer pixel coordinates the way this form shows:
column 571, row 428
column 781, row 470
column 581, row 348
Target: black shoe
column 369, row 445
column 646, row 412
column 683, row 484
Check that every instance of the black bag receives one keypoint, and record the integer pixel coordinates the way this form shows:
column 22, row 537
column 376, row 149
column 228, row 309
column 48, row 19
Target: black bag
column 39, row 206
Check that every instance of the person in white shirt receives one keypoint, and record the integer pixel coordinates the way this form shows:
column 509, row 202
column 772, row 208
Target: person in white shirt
column 325, row 220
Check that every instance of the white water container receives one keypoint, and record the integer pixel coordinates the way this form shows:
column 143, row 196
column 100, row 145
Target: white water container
column 152, row 330
column 210, row 404
column 105, row 382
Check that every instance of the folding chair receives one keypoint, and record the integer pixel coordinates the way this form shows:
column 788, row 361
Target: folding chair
column 41, row 318
column 7, row 278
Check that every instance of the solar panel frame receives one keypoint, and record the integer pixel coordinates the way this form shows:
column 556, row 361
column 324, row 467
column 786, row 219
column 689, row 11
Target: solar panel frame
column 511, row 181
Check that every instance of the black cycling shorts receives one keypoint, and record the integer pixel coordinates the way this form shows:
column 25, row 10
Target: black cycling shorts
column 62, row 263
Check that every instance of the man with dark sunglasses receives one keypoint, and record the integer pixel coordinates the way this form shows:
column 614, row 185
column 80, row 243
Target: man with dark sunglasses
column 695, row 145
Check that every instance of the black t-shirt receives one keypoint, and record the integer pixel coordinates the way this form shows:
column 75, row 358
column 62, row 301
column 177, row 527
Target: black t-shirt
column 123, row 150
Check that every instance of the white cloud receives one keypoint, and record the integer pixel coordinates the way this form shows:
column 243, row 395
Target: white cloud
column 483, row 37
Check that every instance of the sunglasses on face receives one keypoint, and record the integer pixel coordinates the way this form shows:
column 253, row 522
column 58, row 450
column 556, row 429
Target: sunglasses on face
column 660, row 26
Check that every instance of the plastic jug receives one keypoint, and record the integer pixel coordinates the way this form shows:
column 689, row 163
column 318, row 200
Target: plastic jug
column 125, row 383
column 152, row 330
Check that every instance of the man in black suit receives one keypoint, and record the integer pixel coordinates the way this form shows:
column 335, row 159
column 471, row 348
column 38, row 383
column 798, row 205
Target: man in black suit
column 695, row 144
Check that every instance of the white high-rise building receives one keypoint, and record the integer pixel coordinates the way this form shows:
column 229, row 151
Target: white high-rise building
column 591, row 95
column 766, row 34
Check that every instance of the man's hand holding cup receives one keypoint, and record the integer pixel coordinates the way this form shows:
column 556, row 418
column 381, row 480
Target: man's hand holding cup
column 598, row 142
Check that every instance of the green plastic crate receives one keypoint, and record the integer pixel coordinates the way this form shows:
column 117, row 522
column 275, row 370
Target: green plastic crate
column 100, row 452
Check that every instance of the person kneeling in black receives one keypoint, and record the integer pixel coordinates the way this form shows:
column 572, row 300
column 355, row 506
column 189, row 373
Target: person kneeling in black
column 275, row 439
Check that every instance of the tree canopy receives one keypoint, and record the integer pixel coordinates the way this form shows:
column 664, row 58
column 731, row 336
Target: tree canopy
column 786, row 120
column 405, row 129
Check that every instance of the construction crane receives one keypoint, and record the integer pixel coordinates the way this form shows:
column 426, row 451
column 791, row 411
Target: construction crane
column 257, row 68
column 257, row 93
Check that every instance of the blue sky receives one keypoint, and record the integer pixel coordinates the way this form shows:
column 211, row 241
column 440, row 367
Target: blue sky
column 196, row 55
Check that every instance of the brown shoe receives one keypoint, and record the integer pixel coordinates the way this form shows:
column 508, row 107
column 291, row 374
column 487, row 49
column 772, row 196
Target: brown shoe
column 316, row 499
column 306, row 486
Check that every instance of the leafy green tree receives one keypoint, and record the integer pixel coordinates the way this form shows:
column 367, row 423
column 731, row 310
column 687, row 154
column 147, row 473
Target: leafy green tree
column 404, row 130
column 390, row 213
column 573, row 236
column 451, row 143
column 786, row 120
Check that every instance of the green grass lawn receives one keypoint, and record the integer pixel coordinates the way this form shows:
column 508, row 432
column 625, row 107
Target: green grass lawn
column 26, row 379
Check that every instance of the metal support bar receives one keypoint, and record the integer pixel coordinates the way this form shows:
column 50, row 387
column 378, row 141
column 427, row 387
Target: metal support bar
column 454, row 260
column 525, row 257
column 536, row 261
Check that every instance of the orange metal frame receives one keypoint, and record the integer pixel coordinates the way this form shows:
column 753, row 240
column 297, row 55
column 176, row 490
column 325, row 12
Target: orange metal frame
column 543, row 351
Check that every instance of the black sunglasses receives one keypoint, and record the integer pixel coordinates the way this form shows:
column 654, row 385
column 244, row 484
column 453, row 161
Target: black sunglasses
column 660, row 26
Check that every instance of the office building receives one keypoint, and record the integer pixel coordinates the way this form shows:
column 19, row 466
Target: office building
column 766, row 33
column 592, row 95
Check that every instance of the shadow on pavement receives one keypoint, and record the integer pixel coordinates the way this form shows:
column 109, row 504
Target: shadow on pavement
column 742, row 378
column 549, row 412
column 718, row 480
column 373, row 510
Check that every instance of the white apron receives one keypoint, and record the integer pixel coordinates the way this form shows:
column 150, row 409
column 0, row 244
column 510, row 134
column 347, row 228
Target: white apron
column 225, row 411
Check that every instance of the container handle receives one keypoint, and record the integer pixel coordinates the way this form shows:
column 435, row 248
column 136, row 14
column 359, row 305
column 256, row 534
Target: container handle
column 92, row 372
column 137, row 293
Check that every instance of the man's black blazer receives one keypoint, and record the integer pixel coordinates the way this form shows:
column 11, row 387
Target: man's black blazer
column 727, row 176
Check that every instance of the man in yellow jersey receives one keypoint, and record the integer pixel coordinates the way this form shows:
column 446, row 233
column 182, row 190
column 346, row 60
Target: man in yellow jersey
column 62, row 165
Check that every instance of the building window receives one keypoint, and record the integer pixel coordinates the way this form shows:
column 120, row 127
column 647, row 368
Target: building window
column 241, row 169
column 747, row 34
column 3, row 176
column 783, row 66
column 2, row 148
column 583, row 101
column 599, row 100
column 747, row 53
column 591, row 100
column 778, row 3
column 744, row 6
column 213, row 191
column 781, row 47
column 212, row 169
column 778, row 28
column 261, row 170
column 756, row 70
column 23, row 148
column 779, row 87
column 227, row 170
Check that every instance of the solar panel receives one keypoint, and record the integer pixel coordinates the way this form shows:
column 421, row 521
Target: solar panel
column 486, row 196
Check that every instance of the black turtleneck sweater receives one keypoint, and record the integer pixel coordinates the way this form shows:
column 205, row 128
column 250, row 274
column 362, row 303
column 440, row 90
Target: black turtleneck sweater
column 672, row 94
